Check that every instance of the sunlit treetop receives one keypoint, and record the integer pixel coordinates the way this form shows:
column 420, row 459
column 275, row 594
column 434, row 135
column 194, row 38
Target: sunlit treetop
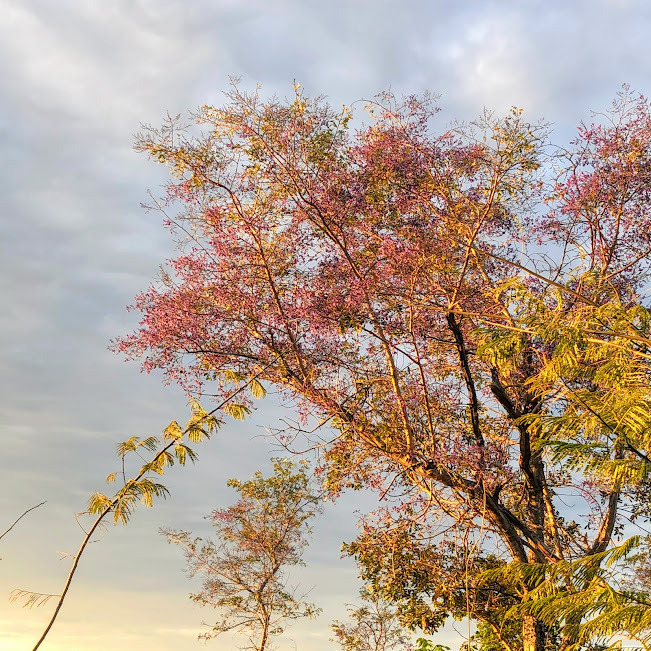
column 463, row 312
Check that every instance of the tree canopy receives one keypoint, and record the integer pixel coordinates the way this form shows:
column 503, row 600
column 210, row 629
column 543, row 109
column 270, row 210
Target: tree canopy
column 464, row 316
column 244, row 567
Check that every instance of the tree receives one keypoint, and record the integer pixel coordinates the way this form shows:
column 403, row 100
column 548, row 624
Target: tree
column 466, row 314
column 373, row 626
column 244, row 570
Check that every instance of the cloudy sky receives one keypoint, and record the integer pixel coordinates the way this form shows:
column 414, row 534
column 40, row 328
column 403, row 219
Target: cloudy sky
column 78, row 77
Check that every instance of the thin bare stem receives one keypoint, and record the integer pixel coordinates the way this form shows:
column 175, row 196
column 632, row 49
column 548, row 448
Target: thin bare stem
column 20, row 518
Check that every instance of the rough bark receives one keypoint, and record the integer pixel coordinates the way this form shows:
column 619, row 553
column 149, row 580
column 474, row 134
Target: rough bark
column 533, row 634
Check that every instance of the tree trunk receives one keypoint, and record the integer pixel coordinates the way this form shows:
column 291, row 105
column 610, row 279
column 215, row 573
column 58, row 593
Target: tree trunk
column 264, row 636
column 533, row 634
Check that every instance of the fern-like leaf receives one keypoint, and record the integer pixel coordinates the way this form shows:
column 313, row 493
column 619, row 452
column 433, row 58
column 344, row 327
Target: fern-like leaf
column 98, row 502
column 172, row 431
column 237, row 411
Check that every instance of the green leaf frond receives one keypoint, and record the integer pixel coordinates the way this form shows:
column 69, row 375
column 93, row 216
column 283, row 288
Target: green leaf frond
column 232, row 377
column 132, row 444
column 158, row 463
column 196, row 433
column 237, row 411
column 201, row 424
column 581, row 595
column 149, row 489
column 579, row 570
column 501, row 347
column 595, row 381
column 150, row 443
column 257, row 390
column 98, row 502
column 596, row 613
column 593, row 459
column 184, row 452
column 124, row 507
column 172, row 432
column 124, row 447
column 144, row 490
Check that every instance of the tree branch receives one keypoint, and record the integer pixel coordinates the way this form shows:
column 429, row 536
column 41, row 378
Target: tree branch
column 20, row 518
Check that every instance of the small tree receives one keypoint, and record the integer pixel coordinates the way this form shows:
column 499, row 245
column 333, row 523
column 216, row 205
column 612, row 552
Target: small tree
column 373, row 626
column 245, row 570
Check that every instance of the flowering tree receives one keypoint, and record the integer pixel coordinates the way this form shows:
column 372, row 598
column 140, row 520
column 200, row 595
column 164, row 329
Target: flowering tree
column 257, row 540
column 459, row 312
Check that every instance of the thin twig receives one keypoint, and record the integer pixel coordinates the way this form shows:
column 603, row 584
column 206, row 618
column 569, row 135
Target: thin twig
column 20, row 518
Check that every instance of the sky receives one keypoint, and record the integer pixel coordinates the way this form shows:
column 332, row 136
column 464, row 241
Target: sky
column 77, row 79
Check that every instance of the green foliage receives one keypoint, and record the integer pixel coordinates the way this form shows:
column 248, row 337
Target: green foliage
column 423, row 644
column 131, row 445
column 595, row 368
column 165, row 453
column 257, row 390
column 585, row 602
column 238, row 412
column 428, row 582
